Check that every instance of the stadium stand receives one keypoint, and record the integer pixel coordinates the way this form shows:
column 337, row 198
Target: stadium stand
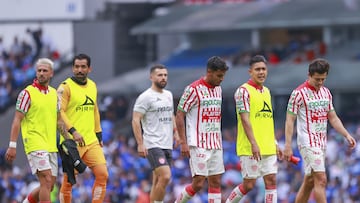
column 196, row 57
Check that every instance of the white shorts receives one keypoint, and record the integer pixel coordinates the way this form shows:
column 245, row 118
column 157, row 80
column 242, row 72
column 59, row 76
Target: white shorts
column 314, row 159
column 206, row 162
column 43, row 160
column 252, row 169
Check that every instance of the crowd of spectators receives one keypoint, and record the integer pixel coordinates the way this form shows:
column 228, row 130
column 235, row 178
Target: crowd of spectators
column 17, row 60
column 130, row 175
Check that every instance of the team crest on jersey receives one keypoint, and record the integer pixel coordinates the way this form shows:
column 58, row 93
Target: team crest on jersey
column 42, row 162
column 201, row 166
column 60, row 91
column 161, row 160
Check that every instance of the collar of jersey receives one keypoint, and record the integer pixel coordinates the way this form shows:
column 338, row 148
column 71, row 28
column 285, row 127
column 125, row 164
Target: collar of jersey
column 309, row 86
column 252, row 83
column 78, row 82
column 40, row 87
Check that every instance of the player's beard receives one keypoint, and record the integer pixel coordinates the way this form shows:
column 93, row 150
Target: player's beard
column 43, row 81
column 81, row 77
column 161, row 84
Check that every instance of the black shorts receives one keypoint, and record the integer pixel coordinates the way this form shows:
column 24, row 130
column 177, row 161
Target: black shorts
column 159, row 157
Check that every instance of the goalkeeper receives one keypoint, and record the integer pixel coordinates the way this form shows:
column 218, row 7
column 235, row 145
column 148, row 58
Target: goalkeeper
column 80, row 113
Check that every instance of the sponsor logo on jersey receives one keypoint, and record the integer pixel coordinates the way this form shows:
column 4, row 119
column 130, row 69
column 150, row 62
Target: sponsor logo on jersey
column 265, row 112
column 88, row 105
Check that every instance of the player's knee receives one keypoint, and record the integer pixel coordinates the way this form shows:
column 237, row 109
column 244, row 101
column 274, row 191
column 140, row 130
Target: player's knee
column 321, row 180
column 100, row 173
column 214, row 181
column 46, row 179
column 323, row 183
column 198, row 184
column 309, row 182
column 249, row 184
column 165, row 178
column 270, row 180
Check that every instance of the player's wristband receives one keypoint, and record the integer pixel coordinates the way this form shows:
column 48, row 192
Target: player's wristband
column 71, row 130
column 99, row 136
column 12, row 144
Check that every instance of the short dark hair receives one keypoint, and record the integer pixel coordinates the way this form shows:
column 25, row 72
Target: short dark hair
column 319, row 65
column 257, row 59
column 157, row 66
column 80, row 57
column 216, row 63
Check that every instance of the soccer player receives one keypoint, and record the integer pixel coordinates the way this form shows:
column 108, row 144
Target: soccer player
column 200, row 104
column 38, row 115
column 256, row 145
column 79, row 110
column 154, row 114
column 311, row 105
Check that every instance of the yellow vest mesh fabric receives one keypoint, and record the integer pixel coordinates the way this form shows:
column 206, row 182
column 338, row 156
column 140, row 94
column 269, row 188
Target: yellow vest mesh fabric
column 261, row 118
column 38, row 128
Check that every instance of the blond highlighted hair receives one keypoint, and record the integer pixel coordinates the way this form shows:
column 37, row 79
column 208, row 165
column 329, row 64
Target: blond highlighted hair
column 45, row 61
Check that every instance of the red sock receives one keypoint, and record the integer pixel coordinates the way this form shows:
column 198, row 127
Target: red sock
column 31, row 199
column 242, row 190
column 190, row 190
column 214, row 190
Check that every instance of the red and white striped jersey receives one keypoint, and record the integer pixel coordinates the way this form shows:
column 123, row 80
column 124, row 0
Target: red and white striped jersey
column 202, row 104
column 312, row 108
column 23, row 101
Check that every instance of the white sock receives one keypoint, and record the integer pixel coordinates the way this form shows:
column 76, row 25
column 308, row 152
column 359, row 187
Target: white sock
column 184, row 197
column 235, row 196
column 214, row 197
column 26, row 200
column 271, row 196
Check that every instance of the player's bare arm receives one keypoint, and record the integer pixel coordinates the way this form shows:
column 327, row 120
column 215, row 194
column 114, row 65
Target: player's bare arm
column 136, row 126
column 14, row 134
column 176, row 134
column 339, row 127
column 289, row 131
column 180, row 124
column 62, row 128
